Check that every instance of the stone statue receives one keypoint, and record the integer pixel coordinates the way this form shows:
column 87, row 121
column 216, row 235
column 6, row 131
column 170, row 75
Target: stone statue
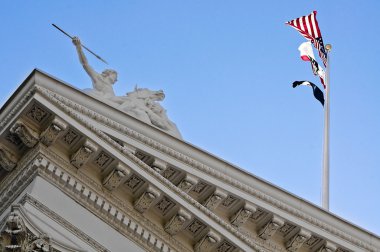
column 102, row 83
column 142, row 103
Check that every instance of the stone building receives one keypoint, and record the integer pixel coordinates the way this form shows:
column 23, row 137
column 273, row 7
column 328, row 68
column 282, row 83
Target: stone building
column 77, row 174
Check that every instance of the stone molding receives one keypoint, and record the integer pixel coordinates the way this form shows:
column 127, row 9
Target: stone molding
column 189, row 161
column 215, row 199
column 66, row 104
column 187, row 183
column 105, row 206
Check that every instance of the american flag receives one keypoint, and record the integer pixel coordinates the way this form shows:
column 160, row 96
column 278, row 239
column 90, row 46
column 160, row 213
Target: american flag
column 308, row 27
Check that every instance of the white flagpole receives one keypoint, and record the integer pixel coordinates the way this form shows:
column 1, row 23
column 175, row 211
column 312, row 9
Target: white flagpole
column 326, row 138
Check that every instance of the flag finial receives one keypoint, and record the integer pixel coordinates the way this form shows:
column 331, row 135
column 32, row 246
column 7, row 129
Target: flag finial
column 328, row 47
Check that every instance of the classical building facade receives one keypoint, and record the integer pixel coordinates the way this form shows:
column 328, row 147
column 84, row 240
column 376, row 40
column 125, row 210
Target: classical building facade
column 78, row 174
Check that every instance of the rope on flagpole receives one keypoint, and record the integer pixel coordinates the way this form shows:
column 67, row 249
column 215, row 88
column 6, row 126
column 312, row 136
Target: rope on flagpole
column 326, row 138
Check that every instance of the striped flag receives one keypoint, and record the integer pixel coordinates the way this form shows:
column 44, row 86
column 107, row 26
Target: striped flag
column 308, row 27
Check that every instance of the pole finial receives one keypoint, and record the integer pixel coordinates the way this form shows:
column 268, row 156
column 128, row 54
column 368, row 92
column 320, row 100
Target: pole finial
column 328, row 47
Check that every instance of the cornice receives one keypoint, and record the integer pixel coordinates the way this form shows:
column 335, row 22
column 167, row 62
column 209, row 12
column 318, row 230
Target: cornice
column 72, row 109
column 80, row 179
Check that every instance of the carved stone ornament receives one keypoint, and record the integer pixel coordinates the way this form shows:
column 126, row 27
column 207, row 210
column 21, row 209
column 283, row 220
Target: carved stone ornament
column 52, row 132
column 207, row 242
column 82, row 155
column 14, row 234
column 159, row 165
column 115, row 177
column 28, row 136
column 270, row 227
column 176, row 223
column 187, row 183
column 242, row 215
column 328, row 247
column 146, row 199
column 295, row 242
column 7, row 160
column 213, row 201
column 41, row 244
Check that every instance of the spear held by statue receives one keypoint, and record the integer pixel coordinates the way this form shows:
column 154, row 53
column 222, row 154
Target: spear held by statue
column 97, row 56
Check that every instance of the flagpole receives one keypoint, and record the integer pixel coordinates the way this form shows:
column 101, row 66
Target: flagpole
column 326, row 138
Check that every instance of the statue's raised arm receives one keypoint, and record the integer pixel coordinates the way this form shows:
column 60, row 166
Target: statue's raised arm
column 102, row 83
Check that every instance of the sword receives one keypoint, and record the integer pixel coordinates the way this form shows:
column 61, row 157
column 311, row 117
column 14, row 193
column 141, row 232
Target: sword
column 97, row 56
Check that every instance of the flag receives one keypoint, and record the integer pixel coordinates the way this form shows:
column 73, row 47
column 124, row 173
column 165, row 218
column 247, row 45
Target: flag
column 306, row 52
column 308, row 27
column 318, row 94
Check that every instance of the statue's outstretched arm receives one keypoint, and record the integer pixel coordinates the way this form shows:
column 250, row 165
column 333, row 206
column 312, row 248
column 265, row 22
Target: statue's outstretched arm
column 83, row 60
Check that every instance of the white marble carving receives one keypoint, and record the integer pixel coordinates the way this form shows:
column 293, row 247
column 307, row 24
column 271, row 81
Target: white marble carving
column 52, row 132
column 14, row 234
column 215, row 199
column 82, row 155
column 142, row 103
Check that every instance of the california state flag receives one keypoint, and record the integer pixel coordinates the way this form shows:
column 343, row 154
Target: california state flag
column 307, row 54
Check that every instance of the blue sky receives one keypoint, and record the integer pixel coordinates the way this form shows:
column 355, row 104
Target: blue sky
column 227, row 68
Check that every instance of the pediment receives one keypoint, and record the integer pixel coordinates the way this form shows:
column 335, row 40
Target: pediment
column 132, row 174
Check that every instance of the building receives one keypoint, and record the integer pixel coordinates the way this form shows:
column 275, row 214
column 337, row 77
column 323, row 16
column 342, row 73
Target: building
column 78, row 174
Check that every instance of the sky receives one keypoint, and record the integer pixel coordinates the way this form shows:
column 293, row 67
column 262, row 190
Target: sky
column 227, row 69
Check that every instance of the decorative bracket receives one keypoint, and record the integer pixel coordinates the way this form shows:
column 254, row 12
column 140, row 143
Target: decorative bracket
column 116, row 176
column 176, row 223
column 242, row 215
column 296, row 241
column 187, row 183
column 52, row 132
column 328, row 247
column 82, row 155
column 146, row 199
column 207, row 242
column 7, row 160
column 270, row 227
column 28, row 136
column 215, row 199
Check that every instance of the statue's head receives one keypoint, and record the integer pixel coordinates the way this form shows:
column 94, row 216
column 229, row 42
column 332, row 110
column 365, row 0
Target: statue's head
column 110, row 75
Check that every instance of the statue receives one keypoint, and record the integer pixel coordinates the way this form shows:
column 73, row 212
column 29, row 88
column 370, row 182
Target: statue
column 142, row 103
